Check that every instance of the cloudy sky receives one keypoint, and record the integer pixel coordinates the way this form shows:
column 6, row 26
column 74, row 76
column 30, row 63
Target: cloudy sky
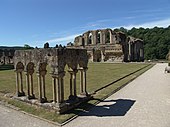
column 35, row 22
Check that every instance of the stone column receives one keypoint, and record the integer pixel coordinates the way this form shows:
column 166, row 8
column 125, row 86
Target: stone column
column 40, row 88
column 71, row 85
column 111, row 37
column 92, row 55
column 74, row 82
column 58, row 88
column 103, row 37
column 17, row 84
column 32, row 88
column 43, row 87
column 21, row 84
column 73, row 92
column 62, row 89
column 102, row 54
column 28, row 85
column 83, row 82
column 94, row 37
column 54, row 89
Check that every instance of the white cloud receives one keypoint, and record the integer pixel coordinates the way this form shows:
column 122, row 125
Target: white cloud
column 63, row 40
column 159, row 23
column 70, row 38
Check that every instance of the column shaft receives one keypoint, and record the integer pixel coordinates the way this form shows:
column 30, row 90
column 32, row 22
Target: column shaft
column 71, row 84
column 32, row 88
column 17, row 84
column 85, row 82
column 40, row 88
column 54, row 89
column 43, row 94
column 28, row 84
column 21, row 83
column 62, row 89
column 58, row 90
column 81, row 81
column 74, row 81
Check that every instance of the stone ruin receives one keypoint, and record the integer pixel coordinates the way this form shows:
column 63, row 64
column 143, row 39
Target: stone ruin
column 108, row 45
column 36, row 61
column 6, row 56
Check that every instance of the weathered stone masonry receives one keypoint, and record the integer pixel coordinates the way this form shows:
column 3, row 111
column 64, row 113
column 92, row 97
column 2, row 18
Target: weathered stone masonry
column 6, row 56
column 108, row 45
column 36, row 61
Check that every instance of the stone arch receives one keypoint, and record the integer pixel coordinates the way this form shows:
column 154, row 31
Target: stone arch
column 30, row 67
column 19, row 68
column 85, row 36
column 108, row 36
column 98, row 37
column 57, row 58
column 41, row 72
column 90, row 37
column 29, row 80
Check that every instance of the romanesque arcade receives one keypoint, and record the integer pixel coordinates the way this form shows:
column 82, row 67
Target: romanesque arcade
column 28, row 62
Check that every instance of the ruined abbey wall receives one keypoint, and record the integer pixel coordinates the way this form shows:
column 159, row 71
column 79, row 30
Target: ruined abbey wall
column 6, row 56
column 28, row 62
column 108, row 45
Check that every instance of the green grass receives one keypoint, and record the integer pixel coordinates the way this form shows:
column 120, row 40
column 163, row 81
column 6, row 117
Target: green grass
column 98, row 75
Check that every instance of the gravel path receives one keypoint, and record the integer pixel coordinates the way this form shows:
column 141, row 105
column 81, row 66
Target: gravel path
column 12, row 118
column 145, row 102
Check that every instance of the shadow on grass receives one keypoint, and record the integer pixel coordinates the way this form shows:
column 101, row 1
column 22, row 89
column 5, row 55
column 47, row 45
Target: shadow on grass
column 6, row 67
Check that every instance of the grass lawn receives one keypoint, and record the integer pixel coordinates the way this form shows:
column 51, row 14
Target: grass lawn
column 98, row 75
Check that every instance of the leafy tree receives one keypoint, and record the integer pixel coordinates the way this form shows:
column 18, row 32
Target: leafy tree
column 156, row 40
column 26, row 46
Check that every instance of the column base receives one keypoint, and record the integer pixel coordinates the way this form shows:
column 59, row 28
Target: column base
column 43, row 100
column 84, row 94
column 19, row 94
column 31, row 96
column 72, row 97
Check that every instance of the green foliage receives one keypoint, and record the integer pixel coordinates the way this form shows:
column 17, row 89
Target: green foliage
column 156, row 40
column 26, row 46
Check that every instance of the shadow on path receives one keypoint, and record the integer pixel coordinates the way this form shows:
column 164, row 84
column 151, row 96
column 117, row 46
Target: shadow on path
column 110, row 108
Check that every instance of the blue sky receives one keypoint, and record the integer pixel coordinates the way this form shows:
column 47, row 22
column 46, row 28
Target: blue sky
column 35, row 22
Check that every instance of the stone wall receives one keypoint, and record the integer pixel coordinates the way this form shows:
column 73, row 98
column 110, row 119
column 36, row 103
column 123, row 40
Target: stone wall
column 6, row 56
column 108, row 45
column 36, row 61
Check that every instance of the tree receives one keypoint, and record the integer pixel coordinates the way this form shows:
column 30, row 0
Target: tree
column 156, row 40
column 26, row 46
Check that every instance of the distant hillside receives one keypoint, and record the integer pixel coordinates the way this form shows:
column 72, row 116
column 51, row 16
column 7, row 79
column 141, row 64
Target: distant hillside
column 156, row 40
column 15, row 47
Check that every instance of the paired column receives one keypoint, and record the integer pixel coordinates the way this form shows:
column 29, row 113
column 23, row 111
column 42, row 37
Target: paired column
column 73, row 92
column 83, row 82
column 29, row 84
column 58, row 87
column 41, row 87
column 19, row 84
